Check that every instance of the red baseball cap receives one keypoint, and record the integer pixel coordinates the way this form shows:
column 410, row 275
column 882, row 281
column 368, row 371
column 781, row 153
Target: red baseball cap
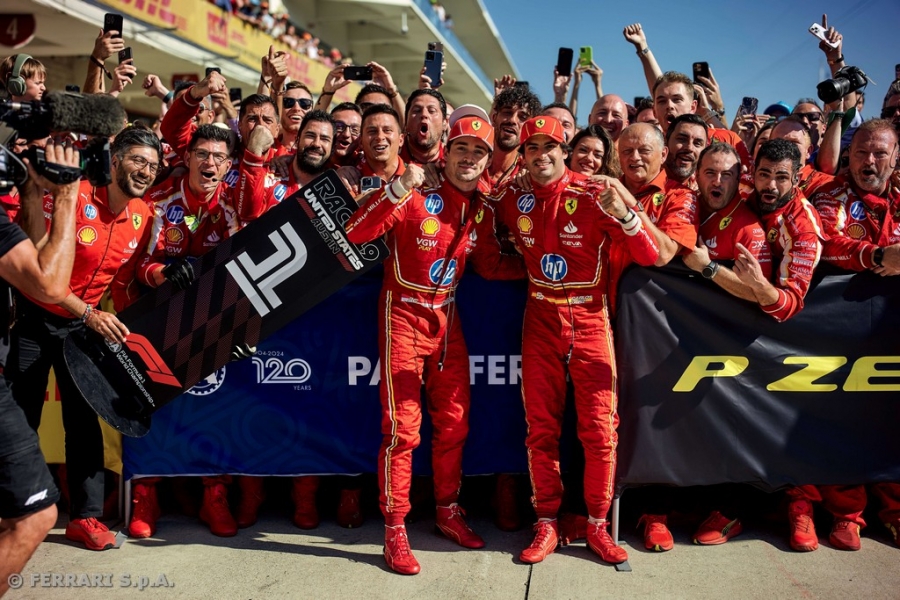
column 543, row 125
column 475, row 127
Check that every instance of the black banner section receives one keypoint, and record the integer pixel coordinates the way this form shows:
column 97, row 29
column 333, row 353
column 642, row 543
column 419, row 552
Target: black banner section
column 246, row 288
column 713, row 391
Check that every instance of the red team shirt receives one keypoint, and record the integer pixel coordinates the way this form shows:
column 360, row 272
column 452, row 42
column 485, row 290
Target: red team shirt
column 856, row 223
column 736, row 224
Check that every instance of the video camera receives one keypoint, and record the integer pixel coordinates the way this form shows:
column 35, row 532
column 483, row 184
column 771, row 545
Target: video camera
column 847, row 80
column 59, row 112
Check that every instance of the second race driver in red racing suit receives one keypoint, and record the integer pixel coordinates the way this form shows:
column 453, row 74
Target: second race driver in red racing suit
column 431, row 234
column 564, row 228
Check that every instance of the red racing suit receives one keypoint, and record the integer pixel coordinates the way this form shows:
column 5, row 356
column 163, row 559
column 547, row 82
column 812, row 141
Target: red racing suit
column 432, row 233
column 107, row 248
column 856, row 223
column 736, row 224
column 565, row 238
column 795, row 235
column 184, row 225
column 672, row 207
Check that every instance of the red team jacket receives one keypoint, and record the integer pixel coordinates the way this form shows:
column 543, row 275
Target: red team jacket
column 736, row 224
column 107, row 248
column 795, row 234
column 856, row 223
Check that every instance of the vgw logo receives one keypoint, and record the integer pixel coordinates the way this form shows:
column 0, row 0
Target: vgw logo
column 258, row 280
column 275, row 370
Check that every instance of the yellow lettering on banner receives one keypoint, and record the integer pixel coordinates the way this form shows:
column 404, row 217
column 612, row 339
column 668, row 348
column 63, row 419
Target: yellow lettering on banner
column 864, row 370
column 710, row 366
column 802, row 380
column 205, row 25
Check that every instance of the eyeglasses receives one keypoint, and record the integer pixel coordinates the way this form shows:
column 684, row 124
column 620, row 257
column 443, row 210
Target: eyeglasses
column 142, row 163
column 218, row 157
column 812, row 117
column 889, row 112
column 288, row 103
column 341, row 127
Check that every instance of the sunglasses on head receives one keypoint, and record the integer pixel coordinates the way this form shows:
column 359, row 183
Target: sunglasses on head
column 288, row 103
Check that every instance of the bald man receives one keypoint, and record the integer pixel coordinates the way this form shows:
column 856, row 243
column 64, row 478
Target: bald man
column 794, row 130
column 610, row 113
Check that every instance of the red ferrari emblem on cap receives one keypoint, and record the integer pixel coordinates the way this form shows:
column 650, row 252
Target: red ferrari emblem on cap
column 539, row 123
column 476, row 124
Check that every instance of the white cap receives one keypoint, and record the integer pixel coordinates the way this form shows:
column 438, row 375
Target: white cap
column 468, row 110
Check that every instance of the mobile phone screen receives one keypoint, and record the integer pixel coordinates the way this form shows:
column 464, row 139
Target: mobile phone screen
column 564, row 61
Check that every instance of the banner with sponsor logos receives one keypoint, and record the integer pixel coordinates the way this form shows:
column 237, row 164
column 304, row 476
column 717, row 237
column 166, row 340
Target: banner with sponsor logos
column 712, row 390
column 204, row 24
column 308, row 401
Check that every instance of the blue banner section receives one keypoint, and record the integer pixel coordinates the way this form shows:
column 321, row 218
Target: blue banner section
column 308, row 401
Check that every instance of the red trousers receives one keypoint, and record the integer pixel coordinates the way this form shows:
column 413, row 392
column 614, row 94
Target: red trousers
column 411, row 341
column 549, row 332
column 847, row 502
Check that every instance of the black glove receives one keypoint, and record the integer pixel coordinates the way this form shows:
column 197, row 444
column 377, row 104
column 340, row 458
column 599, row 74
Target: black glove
column 180, row 273
column 242, row 351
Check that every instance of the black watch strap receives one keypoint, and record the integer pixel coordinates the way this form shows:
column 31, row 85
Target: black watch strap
column 878, row 256
column 711, row 270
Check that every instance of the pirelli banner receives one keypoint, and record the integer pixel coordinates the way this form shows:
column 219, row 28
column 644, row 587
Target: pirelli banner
column 714, row 391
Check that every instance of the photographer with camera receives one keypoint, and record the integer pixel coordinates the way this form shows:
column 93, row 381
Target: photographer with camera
column 27, row 493
column 111, row 223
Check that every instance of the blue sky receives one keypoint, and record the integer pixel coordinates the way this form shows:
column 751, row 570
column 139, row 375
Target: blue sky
column 760, row 48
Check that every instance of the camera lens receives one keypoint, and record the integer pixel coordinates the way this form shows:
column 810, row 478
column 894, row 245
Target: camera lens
column 832, row 90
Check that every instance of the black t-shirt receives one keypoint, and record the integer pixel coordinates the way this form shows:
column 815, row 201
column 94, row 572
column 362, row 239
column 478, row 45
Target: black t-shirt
column 10, row 235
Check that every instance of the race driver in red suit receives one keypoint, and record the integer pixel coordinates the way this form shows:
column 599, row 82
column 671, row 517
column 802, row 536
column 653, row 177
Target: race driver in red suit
column 432, row 233
column 564, row 228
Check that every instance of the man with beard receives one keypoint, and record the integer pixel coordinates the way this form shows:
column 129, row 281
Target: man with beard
column 512, row 107
column 564, row 227
column 347, row 126
column 380, row 141
column 426, row 123
column 313, row 152
column 432, row 234
column 859, row 213
column 795, row 130
column 112, row 222
column 685, row 140
column 610, row 113
column 296, row 101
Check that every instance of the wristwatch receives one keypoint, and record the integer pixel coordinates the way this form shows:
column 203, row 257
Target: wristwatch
column 711, row 270
column 878, row 256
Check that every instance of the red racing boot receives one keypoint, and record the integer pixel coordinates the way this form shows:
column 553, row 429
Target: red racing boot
column 451, row 522
column 144, row 509
column 252, row 496
column 657, row 536
column 717, row 529
column 546, row 539
column 90, row 532
column 349, row 512
column 803, row 530
column 845, row 535
column 397, row 553
column 572, row 527
column 215, row 511
column 306, row 515
column 601, row 542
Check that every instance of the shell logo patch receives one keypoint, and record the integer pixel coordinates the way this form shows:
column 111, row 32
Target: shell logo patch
column 856, row 231
column 724, row 223
column 571, row 205
column 479, row 216
column 87, row 235
column 90, row 211
column 525, row 225
column 658, row 199
column 174, row 235
column 430, row 226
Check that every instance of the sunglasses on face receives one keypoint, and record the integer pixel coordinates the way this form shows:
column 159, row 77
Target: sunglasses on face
column 288, row 103
column 812, row 117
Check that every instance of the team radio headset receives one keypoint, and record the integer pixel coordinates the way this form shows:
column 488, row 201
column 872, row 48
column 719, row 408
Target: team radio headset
column 15, row 83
